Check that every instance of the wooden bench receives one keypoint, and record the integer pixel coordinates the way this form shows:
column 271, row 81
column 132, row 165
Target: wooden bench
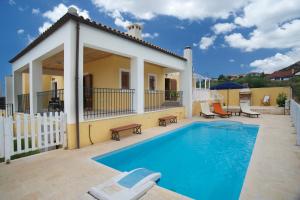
column 115, row 131
column 163, row 121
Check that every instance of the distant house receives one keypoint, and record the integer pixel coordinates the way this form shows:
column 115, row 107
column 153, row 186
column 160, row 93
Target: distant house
column 286, row 73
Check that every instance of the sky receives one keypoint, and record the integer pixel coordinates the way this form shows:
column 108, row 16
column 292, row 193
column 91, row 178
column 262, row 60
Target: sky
column 227, row 37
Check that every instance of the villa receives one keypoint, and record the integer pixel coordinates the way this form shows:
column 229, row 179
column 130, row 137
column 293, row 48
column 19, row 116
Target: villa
column 80, row 83
column 91, row 72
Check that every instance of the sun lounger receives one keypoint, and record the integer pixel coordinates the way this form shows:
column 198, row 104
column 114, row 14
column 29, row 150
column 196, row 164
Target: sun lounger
column 205, row 111
column 245, row 109
column 127, row 186
column 266, row 100
column 219, row 110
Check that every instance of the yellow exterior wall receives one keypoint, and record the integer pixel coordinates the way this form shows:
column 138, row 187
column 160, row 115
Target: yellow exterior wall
column 100, row 129
column 257, row 95
column 46, row 82
column 196, row 108
column 106, row 72
column 154, row 70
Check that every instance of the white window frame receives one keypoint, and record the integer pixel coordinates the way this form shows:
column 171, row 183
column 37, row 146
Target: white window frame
column 120, row 77
column 155, row 83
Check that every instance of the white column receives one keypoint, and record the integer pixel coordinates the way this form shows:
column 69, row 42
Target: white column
column 200, row 80
column 9, row 89
column 35, row 83
column 186, row 80
column 208, row 83
column 137, row 83
column 204, row 83
column 17, row 88
column 69, row 74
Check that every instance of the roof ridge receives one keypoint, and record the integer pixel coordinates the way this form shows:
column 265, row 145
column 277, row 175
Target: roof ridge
column 94, row 24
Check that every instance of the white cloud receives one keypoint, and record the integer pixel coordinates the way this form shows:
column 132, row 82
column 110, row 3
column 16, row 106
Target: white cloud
column 181, row 9
column 119, row 20
column 286, row 36
column 61, row 9
column 122, row 23
column 57, row 12
column 275, row 24
column 149, row 35
column 206, row 42
column 231, row 60
column 12, row 2
column 268, row 14
column 35, row 11
column 278, row 61
column 180, row 27
column 223, row 28
column 29, row 38
column 20, row 31
column 44, row 27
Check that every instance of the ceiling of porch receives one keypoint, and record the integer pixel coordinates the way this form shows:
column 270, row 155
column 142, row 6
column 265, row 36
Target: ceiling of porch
column 56, row 62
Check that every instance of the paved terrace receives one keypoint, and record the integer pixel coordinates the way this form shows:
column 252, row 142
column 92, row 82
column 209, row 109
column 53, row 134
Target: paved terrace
column 273, row 173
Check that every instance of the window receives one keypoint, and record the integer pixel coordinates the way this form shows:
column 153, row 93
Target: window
column 152, row 81
column 125, row 83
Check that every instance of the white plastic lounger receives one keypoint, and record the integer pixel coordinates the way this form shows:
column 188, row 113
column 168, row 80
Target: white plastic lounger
column 127, row 186
column 245, row 108
column 205, row 111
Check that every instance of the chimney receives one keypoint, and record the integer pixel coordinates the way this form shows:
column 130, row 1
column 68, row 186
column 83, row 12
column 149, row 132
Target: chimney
column 135, row 30
column 72, row 11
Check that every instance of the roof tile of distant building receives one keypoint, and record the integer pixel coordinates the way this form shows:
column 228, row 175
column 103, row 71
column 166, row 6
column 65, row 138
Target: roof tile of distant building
column 69, row 16
column 286, row 72
column 282, row 74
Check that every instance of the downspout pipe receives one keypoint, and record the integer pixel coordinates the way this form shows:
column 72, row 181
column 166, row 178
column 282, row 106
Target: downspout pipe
column 76, row 84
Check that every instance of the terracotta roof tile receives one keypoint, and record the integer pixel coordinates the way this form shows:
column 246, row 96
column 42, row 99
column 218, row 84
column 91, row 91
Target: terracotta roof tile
column 94, row 24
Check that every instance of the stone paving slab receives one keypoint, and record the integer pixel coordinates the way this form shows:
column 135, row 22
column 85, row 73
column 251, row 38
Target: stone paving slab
column 273, row 173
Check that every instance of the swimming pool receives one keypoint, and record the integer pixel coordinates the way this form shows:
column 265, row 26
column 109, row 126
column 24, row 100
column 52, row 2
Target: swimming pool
column 203, row 160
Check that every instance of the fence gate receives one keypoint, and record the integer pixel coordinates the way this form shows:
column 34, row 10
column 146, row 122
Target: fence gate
column 27, row 133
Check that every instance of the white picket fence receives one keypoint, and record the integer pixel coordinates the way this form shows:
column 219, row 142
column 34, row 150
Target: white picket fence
column 28, row 133
column 295, row 114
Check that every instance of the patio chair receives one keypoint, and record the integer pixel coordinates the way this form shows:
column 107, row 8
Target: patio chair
column 219, row 110
column 245, row 109
column 126, row 186
column 205, row 111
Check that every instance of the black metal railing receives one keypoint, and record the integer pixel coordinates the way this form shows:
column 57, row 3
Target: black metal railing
column 160, row 99
column 24, row 103
column 6, row 110
column 50, row 101
column 106, row 102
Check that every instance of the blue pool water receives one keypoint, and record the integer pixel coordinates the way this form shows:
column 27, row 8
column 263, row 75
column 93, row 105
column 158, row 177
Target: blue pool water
column 203, row 160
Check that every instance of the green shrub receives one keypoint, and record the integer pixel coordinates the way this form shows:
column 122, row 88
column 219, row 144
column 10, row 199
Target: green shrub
column 281, row 99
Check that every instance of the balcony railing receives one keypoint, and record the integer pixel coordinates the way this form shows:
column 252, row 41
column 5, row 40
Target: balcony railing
column 107, row 102
column 23, row 103
column 50, row 101
column 159, row 99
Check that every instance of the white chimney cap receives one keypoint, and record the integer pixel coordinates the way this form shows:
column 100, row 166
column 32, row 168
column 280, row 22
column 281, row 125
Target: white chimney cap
column 72, row 10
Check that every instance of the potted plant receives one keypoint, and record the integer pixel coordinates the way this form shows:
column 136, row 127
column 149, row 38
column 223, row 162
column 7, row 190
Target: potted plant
column 281, row 98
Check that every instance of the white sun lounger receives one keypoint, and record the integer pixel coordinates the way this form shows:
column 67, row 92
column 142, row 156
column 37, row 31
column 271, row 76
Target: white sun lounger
column 245, row 108
column 205, row 111
column 127, row 186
